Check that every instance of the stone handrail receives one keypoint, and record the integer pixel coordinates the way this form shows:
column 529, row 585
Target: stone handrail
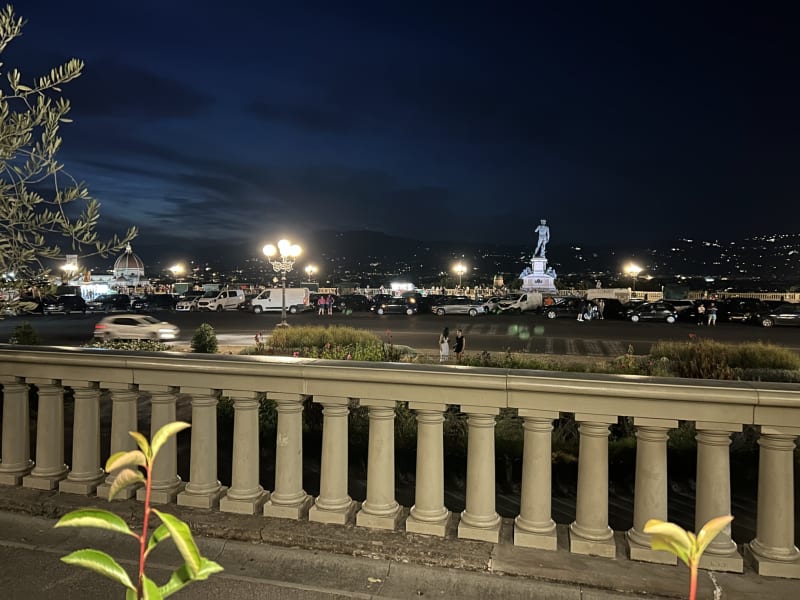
column 597, row 401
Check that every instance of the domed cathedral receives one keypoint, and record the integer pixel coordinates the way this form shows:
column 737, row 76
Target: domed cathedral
column 129, row 269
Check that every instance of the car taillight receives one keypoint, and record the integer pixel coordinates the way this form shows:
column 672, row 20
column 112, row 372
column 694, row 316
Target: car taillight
column 99, row 326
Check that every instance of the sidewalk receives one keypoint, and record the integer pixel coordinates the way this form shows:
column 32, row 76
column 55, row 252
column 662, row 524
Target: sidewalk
column 276, row 559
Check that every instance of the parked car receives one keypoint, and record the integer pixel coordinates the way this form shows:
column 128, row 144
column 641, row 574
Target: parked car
column 491, row 304
column 110, row 303
column 654, row 311
column 529, row 301
column 459, row 305
column 221, row 300
column 785, row 314
column 63, row 304
column 135, row 327
column 272, row 299
column 686, row 309
column 742, row 310
column 152, row 302
column 395, row 305
column 353, row 302
column 189, row 302
column 565, row 307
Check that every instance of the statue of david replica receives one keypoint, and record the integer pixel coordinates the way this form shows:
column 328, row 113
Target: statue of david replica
column 538, row 277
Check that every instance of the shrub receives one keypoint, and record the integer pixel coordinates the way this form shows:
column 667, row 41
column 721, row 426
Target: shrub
column 25, row 335
column 204, row 340
column 332, row 343
column 137, row 345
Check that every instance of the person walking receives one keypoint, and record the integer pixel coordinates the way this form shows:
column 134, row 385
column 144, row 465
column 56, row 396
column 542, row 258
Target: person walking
column 701, row 314
column 460, row 344
column 581, row 309
column 601, row 306
column 444, row 345
column 712, row 315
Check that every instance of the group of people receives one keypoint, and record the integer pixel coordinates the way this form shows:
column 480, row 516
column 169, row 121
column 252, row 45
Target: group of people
column 325, row 305
column 444, row 345
column 591, row 310
column 709, row 313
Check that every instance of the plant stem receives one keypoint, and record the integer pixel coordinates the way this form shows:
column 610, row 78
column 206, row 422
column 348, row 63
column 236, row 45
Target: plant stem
column 693, row 583
column 143, row 539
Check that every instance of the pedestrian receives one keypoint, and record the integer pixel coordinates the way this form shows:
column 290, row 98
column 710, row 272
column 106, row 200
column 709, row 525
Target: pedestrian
column 444, row 345
column 259, row 338
column 581, row 309
column 460, row 344
column 330, row 303
column 701, row 314
column 321, row 303
column 712, row 315
column 601, row 307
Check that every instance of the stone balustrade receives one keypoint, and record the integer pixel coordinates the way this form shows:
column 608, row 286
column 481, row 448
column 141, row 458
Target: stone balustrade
column 118, row 381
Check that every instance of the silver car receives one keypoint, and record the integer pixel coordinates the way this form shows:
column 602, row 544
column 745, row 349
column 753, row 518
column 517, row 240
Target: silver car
column 459, row 305
column 135, row 327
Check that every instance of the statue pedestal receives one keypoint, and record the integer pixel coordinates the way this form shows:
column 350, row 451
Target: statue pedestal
column 539, row 279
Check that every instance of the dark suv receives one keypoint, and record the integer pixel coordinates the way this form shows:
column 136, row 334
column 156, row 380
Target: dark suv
column 654, row 311
column 383, row 304
column 153, row 302
column 63, row 304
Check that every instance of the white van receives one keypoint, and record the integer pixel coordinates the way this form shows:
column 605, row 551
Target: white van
column 297, row 300
column 221, row 300
column 524, row 302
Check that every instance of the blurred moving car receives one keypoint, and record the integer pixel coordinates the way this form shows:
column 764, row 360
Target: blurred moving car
column 785, row 314
column 654, row 311
column 459, row 305
column 135, row 327
column 63, row 304
column 394, row 305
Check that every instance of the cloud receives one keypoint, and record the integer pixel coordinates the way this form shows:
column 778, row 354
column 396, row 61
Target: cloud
column 315, row 119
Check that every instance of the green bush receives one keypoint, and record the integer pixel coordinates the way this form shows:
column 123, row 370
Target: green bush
column 137, row 345
column 204, row 340
column 25, row 335
column 332, row 343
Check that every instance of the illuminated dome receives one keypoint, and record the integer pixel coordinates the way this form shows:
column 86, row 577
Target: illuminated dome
column 129, row 265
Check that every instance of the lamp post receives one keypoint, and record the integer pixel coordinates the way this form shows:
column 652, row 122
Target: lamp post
column 460, row 269
column 177, row 271
column 310, row 270
column 282, row 258
column 633, row 270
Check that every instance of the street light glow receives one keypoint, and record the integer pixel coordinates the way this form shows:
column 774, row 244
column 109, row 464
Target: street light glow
column 460, row 269
column 633, row 270
column 282, row 265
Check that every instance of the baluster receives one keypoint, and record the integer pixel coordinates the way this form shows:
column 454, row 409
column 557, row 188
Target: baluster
column 124, row 405
column 479, row 520
column 534, row 527
column 380, row 510
column 590, row 533
column 49, row 468
column 16, row 449
column 429, row 515
column 86, row 473
column 714, row 493
column 333, row 505
column 650, row 495
column 289, row 500
column 166, row 483
column 245, row 496
column 773, row 552
column 203, row 489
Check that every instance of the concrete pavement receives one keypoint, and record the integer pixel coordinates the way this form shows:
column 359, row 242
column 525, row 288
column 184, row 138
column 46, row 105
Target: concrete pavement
column 276, row 558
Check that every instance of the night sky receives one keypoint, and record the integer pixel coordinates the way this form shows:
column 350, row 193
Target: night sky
column 245, row 121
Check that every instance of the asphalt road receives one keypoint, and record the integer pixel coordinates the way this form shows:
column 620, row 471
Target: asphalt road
column 492, row 333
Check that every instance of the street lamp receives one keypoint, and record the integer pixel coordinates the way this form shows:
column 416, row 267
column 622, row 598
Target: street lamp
column 460, row 269
column 69, row 270
column 310, row 270
column 633, row 270
column 282, row 258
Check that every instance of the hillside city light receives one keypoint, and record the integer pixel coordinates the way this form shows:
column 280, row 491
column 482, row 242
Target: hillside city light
column 460, row 269
column 633, row 270
column 282, row 259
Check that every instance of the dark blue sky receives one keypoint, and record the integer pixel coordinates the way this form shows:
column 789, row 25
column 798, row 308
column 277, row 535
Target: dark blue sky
column 635, row 121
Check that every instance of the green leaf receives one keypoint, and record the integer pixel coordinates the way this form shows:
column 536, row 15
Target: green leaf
column 143, row 444
column 99, row 562
column 95, row 517
column 150, row 590
column 183, row 539
column 126, row 459
column 709, row 531
column 162, row 435
column 181, row 577
column 159, row 535
column 123, row 479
